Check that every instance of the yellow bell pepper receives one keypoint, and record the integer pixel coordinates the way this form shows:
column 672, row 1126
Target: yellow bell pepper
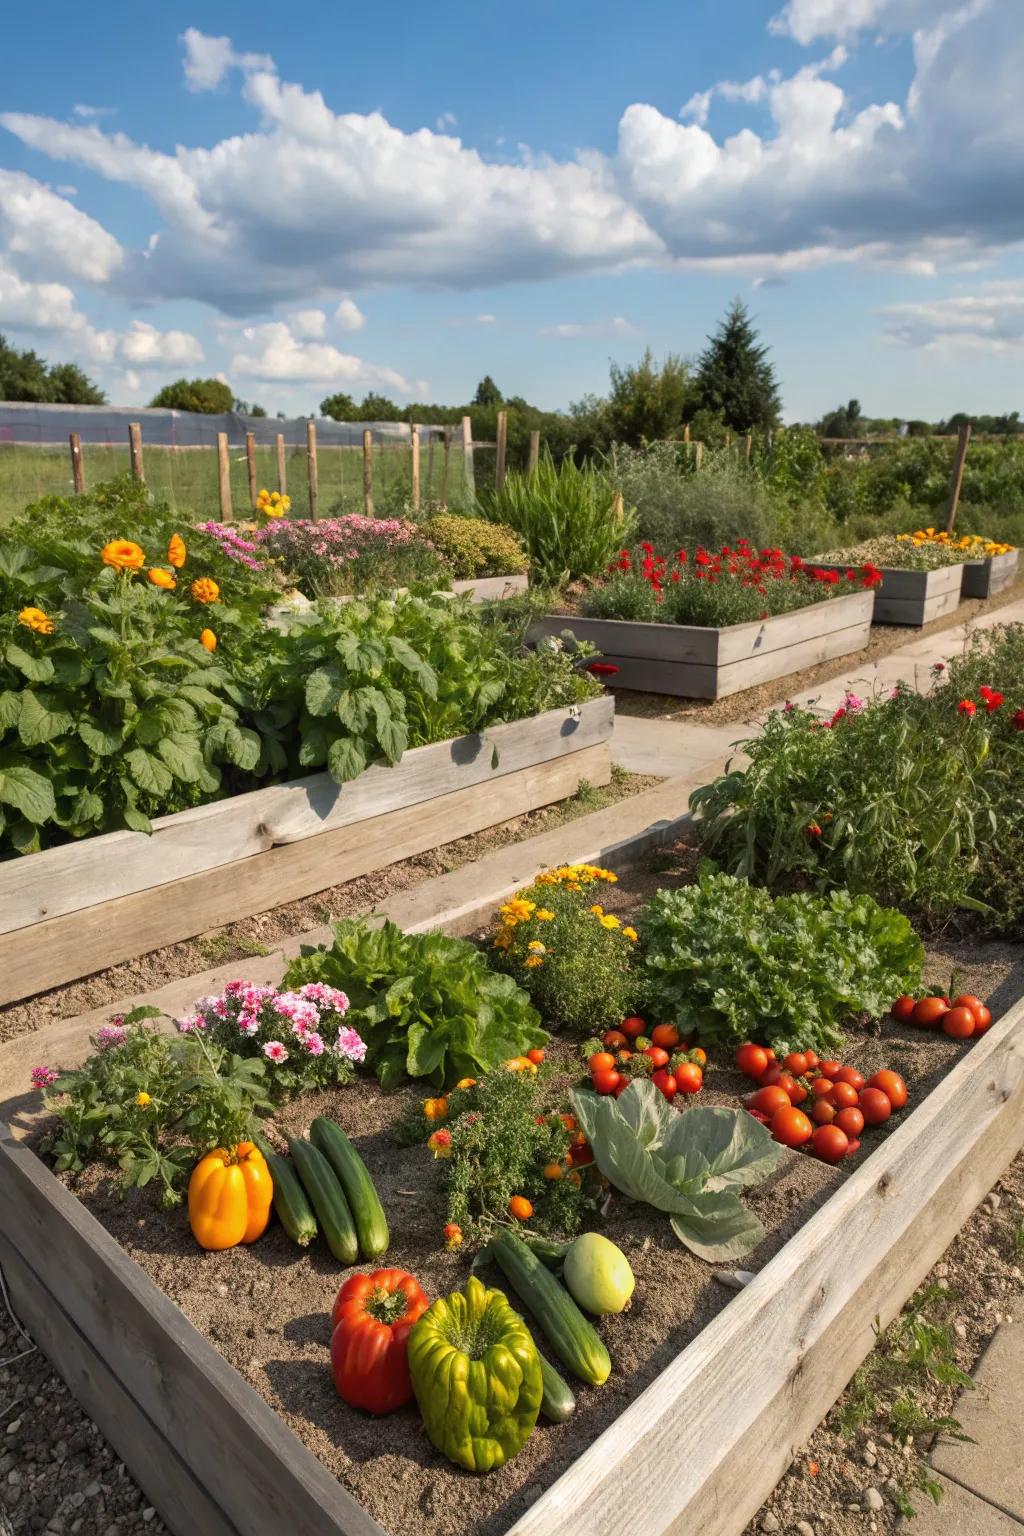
column 229, row 1196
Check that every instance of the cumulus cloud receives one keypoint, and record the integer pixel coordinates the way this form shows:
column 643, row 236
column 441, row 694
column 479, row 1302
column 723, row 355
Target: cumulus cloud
column 274, row 352
column 349, row 316
column 311, row 323
column 208, row 60
column 808, row 20
column 570, row 330
column 82, row 109
column 49, row 236
column 446, row 121
column 147, row 347
column 992, row 321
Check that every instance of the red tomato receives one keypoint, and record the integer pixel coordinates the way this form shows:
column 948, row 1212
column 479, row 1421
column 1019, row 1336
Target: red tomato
column 850, row 1121
column 796, row 1062
column 633, row 1026
column 665, row 1035
column 768, row 1100
column 892, row 1085
column 689, row 1077
column 850, row 1075
column 796, row 1090
column 813, row 1064
column 621, row 1087
column 607, row 1081
column 844, row 1095
column 968, row 1000
column 828, row 1068
column 665, row 1083
column 928, row 1012
column 536, row 1055
column 771, row 1074
column 581, row 1156
column 959, row 1023
column 830, row 1143
column 874, row 1105
column 791, row 1126
column 657, row 1055
column 822, row 1086
column 601, row 1061
column 853, row 1147
column 614, row 1040
column 763, row 1119
column 752, row 1060
column 769, row 1053
column 902, row 1009
column 982, row 1020
column 823, row 1112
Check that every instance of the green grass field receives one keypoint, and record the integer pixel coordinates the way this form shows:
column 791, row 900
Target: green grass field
column 187, row 477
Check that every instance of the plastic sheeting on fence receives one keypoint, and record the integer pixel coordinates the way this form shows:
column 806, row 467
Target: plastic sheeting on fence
column 49, row 426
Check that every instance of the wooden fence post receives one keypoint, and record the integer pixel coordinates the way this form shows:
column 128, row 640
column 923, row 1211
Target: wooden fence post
column 698, row 455
column 728, row 439
column 224, row 477
column 748, row 444
column 135, row 448
column 250, row 461
column 77, row 468
column 415, row 436
column 501, row 450
column 963, row 437
column 282, row 471
column 686, row 432
column 368, row 472
column 618, row 507
column 534, row 450
column 468, row 472
column 314, row 485
column 444, row 465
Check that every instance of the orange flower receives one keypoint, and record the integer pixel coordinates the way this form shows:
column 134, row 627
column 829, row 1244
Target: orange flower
column 176, row 551
column 453, row 1235
column 123, row 555
column 209, row 639
column 161, row 578
column 205, row 590
column 35, row 618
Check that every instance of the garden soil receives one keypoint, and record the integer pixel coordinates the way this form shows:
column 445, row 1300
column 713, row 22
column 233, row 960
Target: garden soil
column 267, row 1308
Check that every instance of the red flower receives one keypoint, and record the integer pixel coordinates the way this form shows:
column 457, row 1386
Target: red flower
column 993, row 699
column 647, row 548
column 602, row 668
column 1018, row 720
column 703, row 558
column 967, row 707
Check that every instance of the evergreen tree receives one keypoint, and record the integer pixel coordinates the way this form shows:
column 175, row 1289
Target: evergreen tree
column 734, row 376
column 487, row 392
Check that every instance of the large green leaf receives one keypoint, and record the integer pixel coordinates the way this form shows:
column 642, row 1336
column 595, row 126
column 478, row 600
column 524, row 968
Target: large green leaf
column 323, row 690
column 28, row 792
column 101, row 739
column 39, row 722
column 10, row 708
column 38, row 669
column 346, row 759
column 148, row 772
column 183, row 757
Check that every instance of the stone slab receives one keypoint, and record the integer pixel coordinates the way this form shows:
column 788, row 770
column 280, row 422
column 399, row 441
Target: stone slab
column 958, row 1513
column 993, row 1415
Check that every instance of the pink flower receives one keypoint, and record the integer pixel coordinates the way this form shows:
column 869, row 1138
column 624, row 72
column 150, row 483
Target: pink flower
column 190, row 1023
column 111, row 1034
column 788, row 707
column 313, row 1043
column 248, row 1023
column 274, row 1051
column 854, row 703
column 324, row 996
column 43, row 1077
column 350, row 1044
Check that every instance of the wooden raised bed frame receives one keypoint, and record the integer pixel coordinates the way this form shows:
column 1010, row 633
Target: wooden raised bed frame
column 72, row 910
column 984, row 578
column 212, row 1456
column 915, row 597
column 698, row 662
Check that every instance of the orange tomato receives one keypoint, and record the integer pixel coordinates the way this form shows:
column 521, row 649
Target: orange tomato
column 752, row 1061
column 982, row 1020
column 874, row 1105
column 850, row 1121
column 536, row 1055
column 520, row 1208
column 607, row 1080
column 569, row 1121
column 700, row 1056
column 796, row 1062
column 959, row 1023
column 657, row 1055
column 823, row 1112
column 822, row 1086
column 689, row 1078
column 796, row 1090
column 768, row 1100
column 813, row 1063
column 850, row 1075
column 892, row 1085
column 665, row 1035
column 928, row 1011
column 902, row 1008
column 614, row 1040
column 602, row 1061
column 844, row 1095
column 830, row 1143
column 791, row 1126
column 968, row 1000
column 829, row 1068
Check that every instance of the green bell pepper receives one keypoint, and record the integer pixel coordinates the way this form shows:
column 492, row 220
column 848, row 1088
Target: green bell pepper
column 477, row 1377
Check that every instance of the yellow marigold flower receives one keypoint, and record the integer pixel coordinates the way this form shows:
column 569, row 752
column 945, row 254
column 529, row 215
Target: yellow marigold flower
column 466, row 1082
column 609, row 921
column 502, row 939
column 598, row 911
column 532, row 961
column 453, row 1235
column 176, row 551
column 35, row 618
column 142, row 1099
column 205, row 590
column 630, row 934
column 123, row 555
column 536, row 947
column 435, row 1109
column 543, row 915
column 208, row 638
column 574, row 886
column 161, row 578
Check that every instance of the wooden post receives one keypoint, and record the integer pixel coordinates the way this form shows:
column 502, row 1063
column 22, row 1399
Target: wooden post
column 368, row 472
column 502, row 449
column 415, row 435
column 311, row 466
column 135, row 447
column 534, row 450
column 698, row 454
column 444, row 465
column 250, row 460
column 224, row 477
column 618, row 507
column 748, row 444
column 282, row 470
column 963, row 437
column 728, row 439
column 686, row 433
column 468, row 472
column 77, row 470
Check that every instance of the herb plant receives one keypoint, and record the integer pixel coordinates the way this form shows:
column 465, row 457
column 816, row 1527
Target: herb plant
column 569, row 518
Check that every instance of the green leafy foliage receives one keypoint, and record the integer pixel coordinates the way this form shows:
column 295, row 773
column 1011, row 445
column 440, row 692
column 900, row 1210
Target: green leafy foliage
column 568, row 518
column 735, row 377
column 473, row 546
column 427, row 1006
column 688, row 1163
column 727, row 961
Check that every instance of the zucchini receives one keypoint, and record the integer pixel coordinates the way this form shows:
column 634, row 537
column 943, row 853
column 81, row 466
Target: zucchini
column 327, row 1198
column 294, row 1211
column 352, row 1174
column 558, row 1403
column 576, row 1343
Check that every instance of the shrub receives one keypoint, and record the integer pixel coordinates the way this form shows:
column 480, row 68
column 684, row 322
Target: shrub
column 341, row 556
column 572, row 957
column 902, row 551
column 568, row 518
column 472, row 546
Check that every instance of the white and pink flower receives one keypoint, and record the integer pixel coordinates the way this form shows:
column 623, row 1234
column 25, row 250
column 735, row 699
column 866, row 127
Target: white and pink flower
column 274, row 1051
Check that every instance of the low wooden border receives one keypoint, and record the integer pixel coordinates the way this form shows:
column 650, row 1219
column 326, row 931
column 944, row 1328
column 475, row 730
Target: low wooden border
column 697, row 662
column 984, row 578
column 213, row 1456
column 72, row 910
column 915, row 597
column 489, row 589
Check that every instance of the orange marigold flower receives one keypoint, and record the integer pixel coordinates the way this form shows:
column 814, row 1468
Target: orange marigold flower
column 123, row 555
column 440, row 1143
column 161, row 578
column 35, row 618
column 208, row 638
column 205, row 590
column 176, row 551
column 453, row 1235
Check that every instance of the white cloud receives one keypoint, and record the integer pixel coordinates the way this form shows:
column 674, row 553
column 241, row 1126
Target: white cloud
column 311, row 323
column 208, row 59
column 81, row 109
column 349, row 316
column 808, row 20
column 277, row 354
column 49, row 236
column 992, row 321
column 35, row 306
column 618, row 326
column 486, row 319
column 147, row 347
column 445, row 121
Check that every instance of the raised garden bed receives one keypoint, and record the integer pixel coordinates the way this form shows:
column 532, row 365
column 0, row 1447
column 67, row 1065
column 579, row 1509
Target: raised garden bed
column 984, row 578
column 705, row 663
column 71, row 910
column 916, row 597
column 479, row 589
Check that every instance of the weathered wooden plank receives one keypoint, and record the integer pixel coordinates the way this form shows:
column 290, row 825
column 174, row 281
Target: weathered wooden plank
column 488, row 589
column 738, row 642
column 153, row 1460
column 984, row 578
column 729, row 1431
column 623, row 637
column 82, row 942
column 77, row 875
column 266, row 1480
column 916, row 611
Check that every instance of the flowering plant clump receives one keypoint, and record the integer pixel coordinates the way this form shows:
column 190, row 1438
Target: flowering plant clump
column 302, row 1035
column 734, row 585
column 273, row 503
column 903, row 552
column 970, row 545
column 233, row 544
column 558, row 942
column 342, row 556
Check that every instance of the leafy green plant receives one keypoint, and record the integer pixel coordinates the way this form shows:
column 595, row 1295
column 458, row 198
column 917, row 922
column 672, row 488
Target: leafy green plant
column 568, row 517
column 473, row 546
column 427, row 1006
column 729, row 962
column 688, row 1164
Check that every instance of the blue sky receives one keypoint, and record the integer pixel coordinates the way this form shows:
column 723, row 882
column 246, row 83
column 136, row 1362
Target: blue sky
column 339, row 199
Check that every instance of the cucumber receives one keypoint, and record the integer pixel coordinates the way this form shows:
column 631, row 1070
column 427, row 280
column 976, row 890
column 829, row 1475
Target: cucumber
column 327, row 1198
column 558, row 1403
column 294, row 1211
column 576, row 1343
column 351, row 1171
column 551, row 1254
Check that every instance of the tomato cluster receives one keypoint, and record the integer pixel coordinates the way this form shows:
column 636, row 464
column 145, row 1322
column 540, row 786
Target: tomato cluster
column 840, row 1103
column 962, row 1019
column 628, row 1052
